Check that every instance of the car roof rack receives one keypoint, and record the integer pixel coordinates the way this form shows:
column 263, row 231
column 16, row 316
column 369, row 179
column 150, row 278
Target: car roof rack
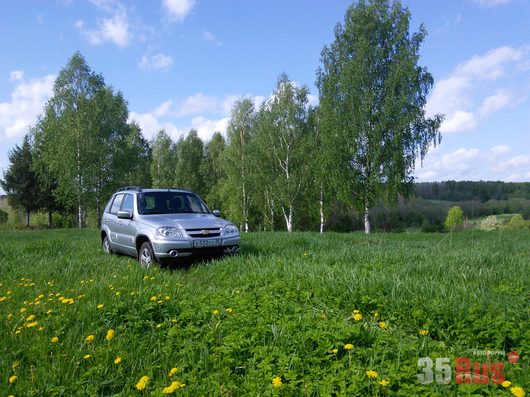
column 179, row 188
column 137, row 188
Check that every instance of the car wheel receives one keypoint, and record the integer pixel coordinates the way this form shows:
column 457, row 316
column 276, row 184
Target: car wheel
column 106, row 246
column 146, row 257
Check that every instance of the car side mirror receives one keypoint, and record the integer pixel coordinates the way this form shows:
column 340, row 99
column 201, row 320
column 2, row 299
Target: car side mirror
column 216, row 212
column 125, row 214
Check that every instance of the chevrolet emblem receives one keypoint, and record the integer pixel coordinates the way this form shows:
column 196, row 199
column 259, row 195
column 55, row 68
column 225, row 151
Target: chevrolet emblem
column 205, row 232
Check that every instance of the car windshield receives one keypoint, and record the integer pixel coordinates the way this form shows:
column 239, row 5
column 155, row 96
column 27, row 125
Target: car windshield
column 170, row 203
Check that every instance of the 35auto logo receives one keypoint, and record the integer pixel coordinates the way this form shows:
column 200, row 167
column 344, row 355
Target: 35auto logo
column 486, row 367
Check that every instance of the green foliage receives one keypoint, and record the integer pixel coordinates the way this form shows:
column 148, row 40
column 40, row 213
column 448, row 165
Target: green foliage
column 278, row 309
column 238, row 163
column 213, row 171
column 189, row 163
column 85, row 145
column 163, row 162
column 372, row 104
column 20, row 180
column 517, row 222
column 283, row 140
column 455, row 218
column 490, row 223
column 3, row 216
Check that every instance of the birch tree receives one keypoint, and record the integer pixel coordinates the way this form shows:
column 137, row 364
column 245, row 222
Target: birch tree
column 238, row 162
column 372, row 99
column 163, row 161
column 283, row 143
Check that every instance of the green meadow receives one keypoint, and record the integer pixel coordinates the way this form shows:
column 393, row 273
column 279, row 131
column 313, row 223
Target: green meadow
column 292, row 315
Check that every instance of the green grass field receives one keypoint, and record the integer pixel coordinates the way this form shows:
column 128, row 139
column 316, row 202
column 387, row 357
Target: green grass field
column 293, row 315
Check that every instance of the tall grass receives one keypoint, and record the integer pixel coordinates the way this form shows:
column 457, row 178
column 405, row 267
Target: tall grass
column 277, row 310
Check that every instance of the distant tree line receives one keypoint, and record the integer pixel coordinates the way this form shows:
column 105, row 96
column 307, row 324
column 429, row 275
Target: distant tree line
column 283, row 163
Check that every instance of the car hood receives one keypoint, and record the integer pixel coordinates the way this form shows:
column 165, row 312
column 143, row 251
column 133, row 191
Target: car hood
column 187, row 221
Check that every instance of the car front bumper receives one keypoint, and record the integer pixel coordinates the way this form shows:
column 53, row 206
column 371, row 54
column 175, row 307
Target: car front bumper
column 172, row 249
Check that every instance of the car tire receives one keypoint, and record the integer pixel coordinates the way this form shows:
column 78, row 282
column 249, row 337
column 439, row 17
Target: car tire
column 105, row 244
column 146, row 256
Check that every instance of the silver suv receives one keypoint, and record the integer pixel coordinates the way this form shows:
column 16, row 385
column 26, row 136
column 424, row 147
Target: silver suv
column 161, row 225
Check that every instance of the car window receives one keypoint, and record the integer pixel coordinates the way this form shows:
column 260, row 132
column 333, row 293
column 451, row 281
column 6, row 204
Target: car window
column 107, row 207
column 116, row 204
column 170, row 203
column 127, row 203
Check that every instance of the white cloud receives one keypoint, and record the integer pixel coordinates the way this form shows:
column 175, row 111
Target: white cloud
column 493, row 103
column 27, row 101
column 500, row 149
column 163, row 109
column 150, row 125
column 458, row 95
column 492, row 3
column 459, row 121
column 208, row 36
column 114, row 28
column 206, row 127
column 492, row 65
column 178, row 9
column 16, row 75
column 201, row 103
column 460, row 159
column 517, row 163
column 156, row 62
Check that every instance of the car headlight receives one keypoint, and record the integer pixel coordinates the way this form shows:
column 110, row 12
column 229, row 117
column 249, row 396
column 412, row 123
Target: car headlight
column 231, row 229
column 168, row 231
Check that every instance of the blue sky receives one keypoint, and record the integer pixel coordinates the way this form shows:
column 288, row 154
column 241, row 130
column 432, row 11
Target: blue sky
column 181, row 64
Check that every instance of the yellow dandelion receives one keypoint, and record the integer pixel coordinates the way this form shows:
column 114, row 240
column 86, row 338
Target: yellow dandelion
column 18, row 331
column 172, row 387
column 55, row 339
column 383, row 324
column 117, row 360
column 372, row 374
column 142, row 383
column 154, row 298
column 423, row 332
column 110, row 334
column 277, row 382
column 517, row 391
column 229, row 310
column 100, row 306
column 348, row 346
column 215, row 312
column 12, row 379
column 158, row 326
column 384, row 382
column 506, row 383
column 335, row 351
column 23, row 310
column 167, row 297
column 89, row 338
column 87, row 356
column 33, row 324
column 49, row 312
column 376, row 314
column 30, row 318
column 357, row 316
column 173, row 371
column 10, row 316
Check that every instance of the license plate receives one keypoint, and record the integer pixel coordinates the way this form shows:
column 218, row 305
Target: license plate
column 206, row 243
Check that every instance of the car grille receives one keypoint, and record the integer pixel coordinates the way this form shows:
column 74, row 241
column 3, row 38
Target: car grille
column 204, row 232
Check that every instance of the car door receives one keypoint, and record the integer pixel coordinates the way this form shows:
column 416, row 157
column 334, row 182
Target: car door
column 111, row 219
column 127, row 227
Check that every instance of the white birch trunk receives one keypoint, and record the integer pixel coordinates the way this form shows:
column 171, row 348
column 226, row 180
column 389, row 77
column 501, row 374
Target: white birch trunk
column 288, row 218
column 321, row 203
column 367, row 219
